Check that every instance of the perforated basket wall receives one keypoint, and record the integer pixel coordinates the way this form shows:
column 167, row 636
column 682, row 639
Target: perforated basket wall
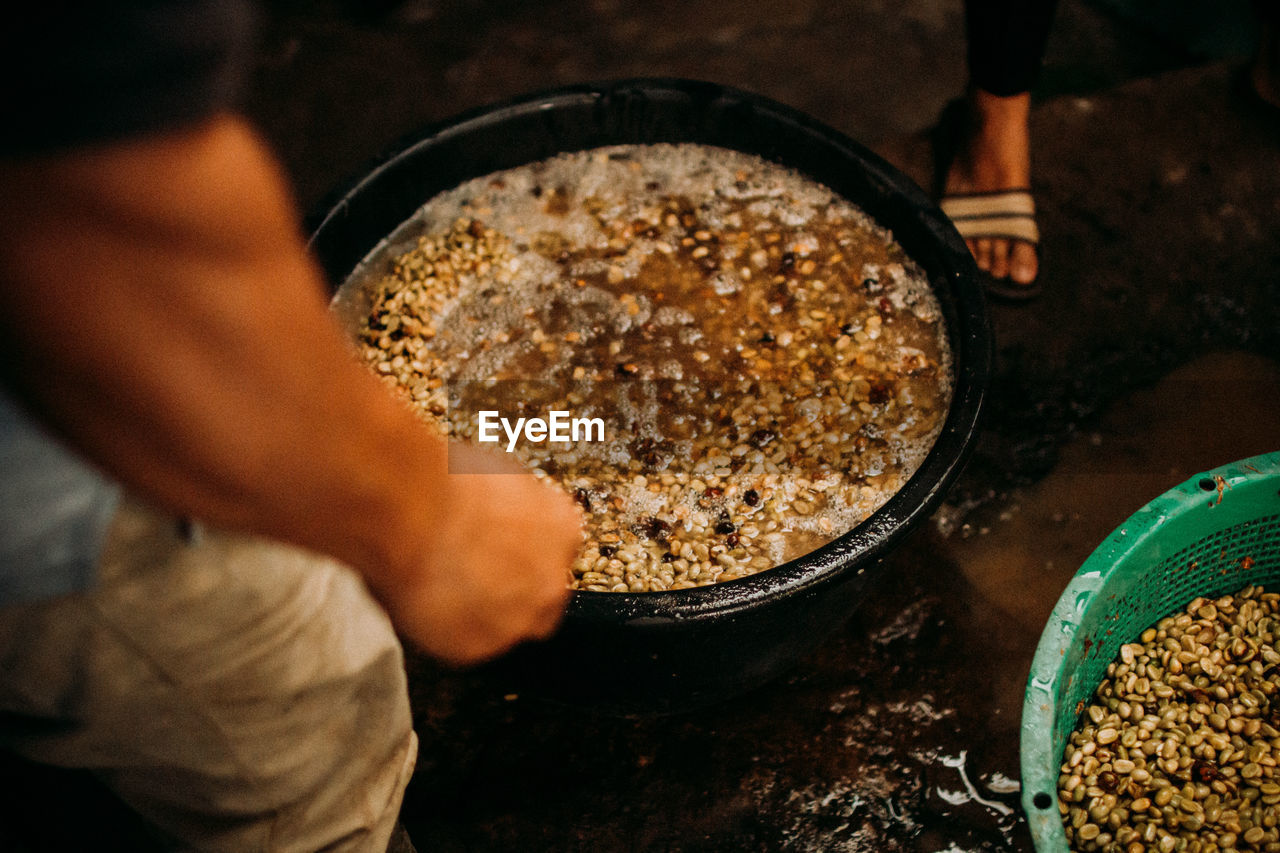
column 1210, row 536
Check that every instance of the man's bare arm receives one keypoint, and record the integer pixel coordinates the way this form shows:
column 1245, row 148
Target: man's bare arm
column 159, row 311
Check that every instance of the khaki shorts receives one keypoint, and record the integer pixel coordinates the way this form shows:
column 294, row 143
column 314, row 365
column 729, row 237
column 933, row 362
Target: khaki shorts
column 239, row 694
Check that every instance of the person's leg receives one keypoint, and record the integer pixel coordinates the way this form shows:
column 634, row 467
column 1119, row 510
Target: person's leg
column 1264, row 71
column 995, row 155
column 1006, row 42
column 238, row 694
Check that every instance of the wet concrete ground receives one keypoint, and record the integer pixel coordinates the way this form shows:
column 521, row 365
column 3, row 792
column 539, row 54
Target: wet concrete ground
column 1152, row 355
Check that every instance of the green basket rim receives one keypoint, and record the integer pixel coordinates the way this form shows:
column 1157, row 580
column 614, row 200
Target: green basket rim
column 1038, row 757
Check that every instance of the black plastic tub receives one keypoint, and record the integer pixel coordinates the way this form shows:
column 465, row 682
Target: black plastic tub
column 668, row 651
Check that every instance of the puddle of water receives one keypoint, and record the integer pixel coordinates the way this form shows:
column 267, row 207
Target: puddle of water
column 1214, row 410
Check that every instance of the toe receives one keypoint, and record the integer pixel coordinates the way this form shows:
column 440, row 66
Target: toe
column 1024, row 264
column 981, row 250
column 999, row 258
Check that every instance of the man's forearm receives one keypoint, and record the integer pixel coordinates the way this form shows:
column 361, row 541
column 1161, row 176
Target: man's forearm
column 159, row 311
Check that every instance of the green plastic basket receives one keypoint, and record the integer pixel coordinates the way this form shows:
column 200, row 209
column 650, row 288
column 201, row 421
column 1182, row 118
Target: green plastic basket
column 1210, row 536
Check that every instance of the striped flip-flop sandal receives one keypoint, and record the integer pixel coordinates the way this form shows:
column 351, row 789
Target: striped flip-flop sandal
column 1003, row 214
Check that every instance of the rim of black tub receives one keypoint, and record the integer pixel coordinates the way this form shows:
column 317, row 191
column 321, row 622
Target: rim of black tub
column 652, row 110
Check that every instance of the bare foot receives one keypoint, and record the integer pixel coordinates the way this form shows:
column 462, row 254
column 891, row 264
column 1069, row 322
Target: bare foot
column 997, row 156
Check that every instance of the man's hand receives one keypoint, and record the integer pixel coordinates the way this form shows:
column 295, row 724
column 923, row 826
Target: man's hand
column 158, row 311
column 496, row 572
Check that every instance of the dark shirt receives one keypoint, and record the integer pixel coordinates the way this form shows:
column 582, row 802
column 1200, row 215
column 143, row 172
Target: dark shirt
column 86, row 72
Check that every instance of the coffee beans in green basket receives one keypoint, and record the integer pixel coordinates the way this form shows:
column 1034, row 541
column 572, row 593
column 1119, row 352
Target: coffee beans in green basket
column 1179, row 748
